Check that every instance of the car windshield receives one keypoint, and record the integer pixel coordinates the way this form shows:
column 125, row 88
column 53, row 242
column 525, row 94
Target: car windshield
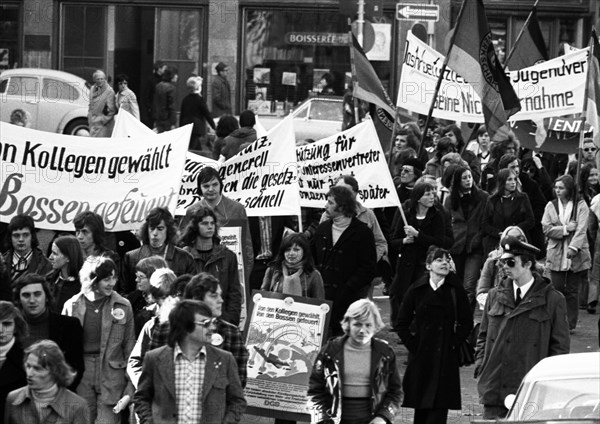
column 566, row 399
column 326, row 111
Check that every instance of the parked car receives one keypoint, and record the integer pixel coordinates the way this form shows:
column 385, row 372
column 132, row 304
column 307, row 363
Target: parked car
column 563, row 387
column 315, row 118
column 56, row 101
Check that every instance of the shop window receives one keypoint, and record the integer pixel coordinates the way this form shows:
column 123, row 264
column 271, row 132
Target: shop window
column 9, row 35
column 290, row 55
column 83, row 44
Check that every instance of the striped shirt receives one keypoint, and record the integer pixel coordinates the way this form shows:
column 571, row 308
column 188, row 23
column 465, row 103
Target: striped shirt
column 189, row 378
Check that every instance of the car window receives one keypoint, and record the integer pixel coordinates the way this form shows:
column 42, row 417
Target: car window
column 571, row 398
column 326, row 111
column 3, row 85
column 302, row 113
column 22, row 86
column 54, row 90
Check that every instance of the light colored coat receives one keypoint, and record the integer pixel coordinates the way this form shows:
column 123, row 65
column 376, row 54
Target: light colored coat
column 116, row 342
column 558, row 243
column 222, row 395
column 101, row 101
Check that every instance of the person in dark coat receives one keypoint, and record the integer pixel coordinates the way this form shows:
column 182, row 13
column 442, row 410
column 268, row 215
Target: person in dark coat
column 12, row 330
column 195, row 111
column 344, row 252
column 23, row 255
column 201, row 240
column 536, row 198
column 524, row 321
column 455, row 135
column 240, row 138
column 466, row 204
column 221, row 92
column 355, row 378
column 425, row 226
column 433, row 321
column 165, row 98
column 158, row 237
column 32, row 295
column 67, row 260
column 507, row 206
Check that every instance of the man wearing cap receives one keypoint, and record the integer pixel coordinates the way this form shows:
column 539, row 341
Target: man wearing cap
column 524, row 321
column 221, row 92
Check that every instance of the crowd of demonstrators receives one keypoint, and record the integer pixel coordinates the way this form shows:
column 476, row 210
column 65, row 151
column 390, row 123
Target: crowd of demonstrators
column 460, row 240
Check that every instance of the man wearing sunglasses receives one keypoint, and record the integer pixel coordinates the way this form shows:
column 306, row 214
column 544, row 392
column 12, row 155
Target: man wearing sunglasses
column 524, row 321
column 189, row 381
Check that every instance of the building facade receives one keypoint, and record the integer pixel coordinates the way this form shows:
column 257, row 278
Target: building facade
column 280, row 51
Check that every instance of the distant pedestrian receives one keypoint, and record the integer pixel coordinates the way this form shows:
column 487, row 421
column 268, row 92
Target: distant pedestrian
column 102, row 107
column 240, row 138
column 165, row 115
column 221, row 92
column 148, row 93
column 226, row 125
column 195, row 111
column 126, row 98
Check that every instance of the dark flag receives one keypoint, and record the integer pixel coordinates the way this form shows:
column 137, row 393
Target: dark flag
column 530, row 48
column 368, row 87
column 472, row 56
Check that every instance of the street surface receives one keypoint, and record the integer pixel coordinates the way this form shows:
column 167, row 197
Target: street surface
column 585, row 339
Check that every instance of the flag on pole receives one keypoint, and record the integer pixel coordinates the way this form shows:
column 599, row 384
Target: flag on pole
column 593, row 99
column 368, row 87
column 472, row 56
column 530, row 48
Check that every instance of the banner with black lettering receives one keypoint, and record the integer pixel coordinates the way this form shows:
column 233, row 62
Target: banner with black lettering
column 355, row 151
column 53, row 177
column 284, row 335
column 552, row 88
column 264, row 176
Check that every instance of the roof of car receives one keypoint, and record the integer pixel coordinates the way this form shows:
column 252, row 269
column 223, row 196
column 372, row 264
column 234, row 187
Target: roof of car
column 564, row 366
column 44, row 72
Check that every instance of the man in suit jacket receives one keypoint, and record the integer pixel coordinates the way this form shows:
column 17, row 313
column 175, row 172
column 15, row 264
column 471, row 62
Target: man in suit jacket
column 344, row 251
column 189, row 380
column 31, row 294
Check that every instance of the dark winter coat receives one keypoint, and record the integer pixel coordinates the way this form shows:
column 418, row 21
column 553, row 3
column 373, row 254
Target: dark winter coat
column 467, row 231
column 223, row 265
column 325, row 383
column 236, row 139
column 495, row 220
column 39, row 264
column 434, row 230
column 425, row 324
column 12, row 374
column 179, row 261
column 512, row 339
column 221, row 96
column 163, row 106
column 348, row 267
column 194, row 111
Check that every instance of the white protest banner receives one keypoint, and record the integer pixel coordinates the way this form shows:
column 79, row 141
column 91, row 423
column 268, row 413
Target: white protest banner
column 264, row 176
column 552, row 88
column 456, row 100
column 356, row 151
column 53, row 177
column 284, row 335
column 127, row 125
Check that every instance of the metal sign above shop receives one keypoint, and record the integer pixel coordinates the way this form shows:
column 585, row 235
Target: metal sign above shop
column 319, row 38
column 417, row 12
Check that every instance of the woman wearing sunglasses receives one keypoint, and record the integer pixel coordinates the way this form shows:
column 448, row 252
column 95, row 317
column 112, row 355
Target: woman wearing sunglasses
column 565, row 224
column 434, row 319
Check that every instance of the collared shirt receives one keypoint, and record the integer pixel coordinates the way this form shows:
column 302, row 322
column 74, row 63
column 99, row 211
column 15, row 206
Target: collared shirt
column 189, row 378
column 20, row 263
column 524, row 288
column 437, row 285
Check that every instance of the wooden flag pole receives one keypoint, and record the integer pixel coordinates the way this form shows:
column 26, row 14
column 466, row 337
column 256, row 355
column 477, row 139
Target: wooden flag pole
column 439, row 81
column 512, row 49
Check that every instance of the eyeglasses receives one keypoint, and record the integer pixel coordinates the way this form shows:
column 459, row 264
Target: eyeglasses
column 589, row 149
column 510, row 262
column 208, row 322
column 406, row 171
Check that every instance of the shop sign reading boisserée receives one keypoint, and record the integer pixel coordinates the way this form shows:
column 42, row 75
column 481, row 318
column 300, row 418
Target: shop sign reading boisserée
column 321, row 38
